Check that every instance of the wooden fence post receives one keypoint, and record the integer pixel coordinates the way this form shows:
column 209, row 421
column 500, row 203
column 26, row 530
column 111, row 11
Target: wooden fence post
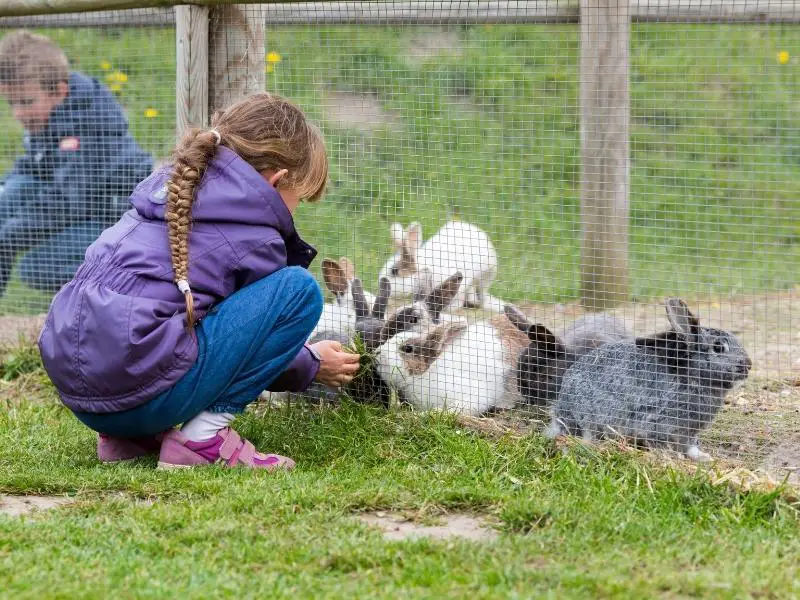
column 605, row 109
column 191, row 83
column 236, row 53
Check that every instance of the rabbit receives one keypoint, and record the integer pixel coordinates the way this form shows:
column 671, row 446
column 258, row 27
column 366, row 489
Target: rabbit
column 659, row 391
column 456, row 366
column 338, row 318
column 456, row 247
column 541, row 365
column 374, row 328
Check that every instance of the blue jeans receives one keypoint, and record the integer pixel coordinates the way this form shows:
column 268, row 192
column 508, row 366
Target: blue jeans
column 245, row 342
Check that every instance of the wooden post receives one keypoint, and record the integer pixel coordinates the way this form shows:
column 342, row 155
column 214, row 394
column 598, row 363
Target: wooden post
column 191, row 82
column 236, row 53
column 605, row 109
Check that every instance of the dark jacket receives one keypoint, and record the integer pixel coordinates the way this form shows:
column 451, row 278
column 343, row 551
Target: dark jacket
column 81, row 167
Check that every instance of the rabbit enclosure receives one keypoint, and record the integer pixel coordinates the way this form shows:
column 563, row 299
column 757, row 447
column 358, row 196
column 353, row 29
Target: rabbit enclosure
column 613, row 154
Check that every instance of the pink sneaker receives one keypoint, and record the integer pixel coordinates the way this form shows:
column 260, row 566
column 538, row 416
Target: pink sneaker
column 226, row 448
column 116, row 449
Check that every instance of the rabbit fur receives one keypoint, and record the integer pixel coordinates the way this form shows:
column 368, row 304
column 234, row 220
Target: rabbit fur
column 542, row 364
column 456, row 247
column 658, row 391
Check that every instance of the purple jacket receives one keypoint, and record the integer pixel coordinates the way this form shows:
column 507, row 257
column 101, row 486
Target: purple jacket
column 115, row 335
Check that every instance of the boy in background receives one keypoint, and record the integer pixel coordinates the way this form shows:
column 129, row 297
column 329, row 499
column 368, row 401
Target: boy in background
column 79, row 167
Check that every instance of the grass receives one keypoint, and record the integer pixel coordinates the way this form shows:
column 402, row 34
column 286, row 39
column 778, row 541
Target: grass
column 488, row 132
column 486, row 129
column 590, row 523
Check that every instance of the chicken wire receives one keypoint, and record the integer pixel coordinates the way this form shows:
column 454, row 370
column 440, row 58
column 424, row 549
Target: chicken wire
column 470, row 113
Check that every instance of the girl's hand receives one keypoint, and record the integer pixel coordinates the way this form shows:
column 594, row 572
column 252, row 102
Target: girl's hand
column 337, row 367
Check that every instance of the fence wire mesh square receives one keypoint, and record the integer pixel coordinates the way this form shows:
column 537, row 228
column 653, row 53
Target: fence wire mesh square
column 601, row 240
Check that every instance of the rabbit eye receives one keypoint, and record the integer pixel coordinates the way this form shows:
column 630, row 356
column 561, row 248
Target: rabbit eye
column 720, row 346
column 407, row 349
column 394, row 271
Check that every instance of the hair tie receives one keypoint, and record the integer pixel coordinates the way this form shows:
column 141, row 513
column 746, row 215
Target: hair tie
column 218, row 136
column 183, row 286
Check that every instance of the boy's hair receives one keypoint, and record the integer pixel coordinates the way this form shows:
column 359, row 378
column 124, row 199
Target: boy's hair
column 268, row 132
column 26, row 56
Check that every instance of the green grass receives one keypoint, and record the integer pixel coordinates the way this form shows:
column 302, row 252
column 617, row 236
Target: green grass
column 488, row 131
column 588, row 524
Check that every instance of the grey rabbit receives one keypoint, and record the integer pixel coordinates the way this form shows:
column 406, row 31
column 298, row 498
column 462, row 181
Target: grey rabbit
column 542, row 364
column 658, row 391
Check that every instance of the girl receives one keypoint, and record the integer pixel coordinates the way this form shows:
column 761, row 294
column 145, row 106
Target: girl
column 161, row 326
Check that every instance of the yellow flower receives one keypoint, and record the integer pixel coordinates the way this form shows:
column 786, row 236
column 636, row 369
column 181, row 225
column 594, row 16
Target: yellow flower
column 270, row 68
column 105, row 65
column 117, row 77
column 783, row 57
column 150, row 113
column 273, row 57
column 115, row 87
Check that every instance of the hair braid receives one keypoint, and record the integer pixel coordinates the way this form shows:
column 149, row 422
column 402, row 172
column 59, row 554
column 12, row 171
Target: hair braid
column 190, row 162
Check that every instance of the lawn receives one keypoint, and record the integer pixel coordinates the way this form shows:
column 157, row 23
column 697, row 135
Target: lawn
column 481, row 123
column 587, row 524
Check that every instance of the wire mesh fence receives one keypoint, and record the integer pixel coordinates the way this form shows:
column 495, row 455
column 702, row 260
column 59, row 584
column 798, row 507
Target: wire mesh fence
column 454, row 134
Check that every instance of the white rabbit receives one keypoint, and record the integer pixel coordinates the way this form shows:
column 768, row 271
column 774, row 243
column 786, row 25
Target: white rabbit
column 455, row 366
column 456, row 247
column 339, row 317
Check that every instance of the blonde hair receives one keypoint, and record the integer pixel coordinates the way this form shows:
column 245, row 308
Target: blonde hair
column 267, row 131
column 26, row 56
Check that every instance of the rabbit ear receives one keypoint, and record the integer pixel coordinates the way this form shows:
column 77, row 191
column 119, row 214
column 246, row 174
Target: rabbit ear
column 669, row 348
column 518, row 318
column 397, row 235
column 441, row 297
column 334, row 276
column 443, row 335
column 414, row 237
column 359, row 300
column 424, row 285
column 382, row 299
column 545, row 340
column 348, row 268
column 680, row 318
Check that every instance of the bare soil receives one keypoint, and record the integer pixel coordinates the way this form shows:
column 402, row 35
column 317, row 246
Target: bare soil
column 455, row 525
column 16, row 506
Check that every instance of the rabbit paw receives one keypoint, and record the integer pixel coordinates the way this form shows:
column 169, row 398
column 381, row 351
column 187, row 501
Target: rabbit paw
column 694, row 453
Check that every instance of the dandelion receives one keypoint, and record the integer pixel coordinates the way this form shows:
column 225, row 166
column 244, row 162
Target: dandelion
column 115, row 87
column 105, row 65
column 783, row 57
column 150, row 113
column 117, row 77
column 273, row 57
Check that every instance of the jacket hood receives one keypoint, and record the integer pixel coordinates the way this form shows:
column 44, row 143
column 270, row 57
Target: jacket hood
column 87, row 98
column 231, row 191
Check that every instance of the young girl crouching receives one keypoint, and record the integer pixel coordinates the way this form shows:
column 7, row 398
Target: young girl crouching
column 198, row 298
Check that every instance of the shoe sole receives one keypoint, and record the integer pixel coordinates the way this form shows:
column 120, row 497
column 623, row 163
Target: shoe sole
column 171, row 467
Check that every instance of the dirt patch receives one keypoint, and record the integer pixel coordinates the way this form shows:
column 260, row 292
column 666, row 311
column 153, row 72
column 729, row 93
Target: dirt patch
column 16, row 506
column 428, row 43
column 784, row 462
column 12, row 327
column 455, row 525
column 358, row 111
